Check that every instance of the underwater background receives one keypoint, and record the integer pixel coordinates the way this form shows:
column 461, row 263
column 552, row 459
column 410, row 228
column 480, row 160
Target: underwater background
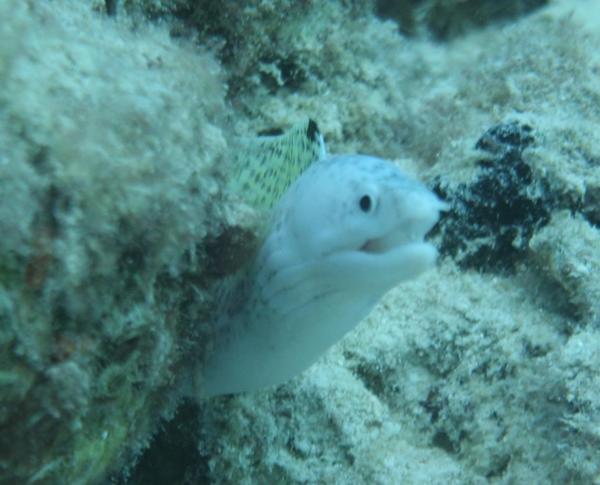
column 118, row 123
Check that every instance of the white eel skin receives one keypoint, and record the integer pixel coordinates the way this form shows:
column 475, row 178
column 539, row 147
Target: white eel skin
column 349, row 229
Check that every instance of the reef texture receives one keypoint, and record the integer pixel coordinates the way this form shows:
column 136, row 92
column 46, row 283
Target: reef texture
column 114, row 121
column 484, row 371
column 109, row 143
column 493, row 217
column 447, row 19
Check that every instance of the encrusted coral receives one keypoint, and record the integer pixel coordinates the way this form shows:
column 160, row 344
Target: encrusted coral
column 109, row 143
column 448, row 19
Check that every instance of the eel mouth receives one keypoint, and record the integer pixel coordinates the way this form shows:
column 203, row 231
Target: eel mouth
column 401, row 253
column 391, row 241
column 407, row 230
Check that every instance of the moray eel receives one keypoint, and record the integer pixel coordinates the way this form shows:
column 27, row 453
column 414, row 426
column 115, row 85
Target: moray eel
column 347, row 230
column 265, row 167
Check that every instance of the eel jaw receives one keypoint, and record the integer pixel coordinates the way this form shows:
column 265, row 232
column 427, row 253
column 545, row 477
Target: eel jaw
column 402, row 253
column 393, row 240
column 407, row 231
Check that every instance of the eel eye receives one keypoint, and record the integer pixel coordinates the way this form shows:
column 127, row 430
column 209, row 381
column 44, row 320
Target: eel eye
column 365, row 203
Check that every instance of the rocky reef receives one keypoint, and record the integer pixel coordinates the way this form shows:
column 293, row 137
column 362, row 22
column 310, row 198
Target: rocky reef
column 110, row 205
column 117, row 120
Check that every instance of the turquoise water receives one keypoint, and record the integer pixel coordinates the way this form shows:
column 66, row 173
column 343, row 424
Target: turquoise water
column 123, row 217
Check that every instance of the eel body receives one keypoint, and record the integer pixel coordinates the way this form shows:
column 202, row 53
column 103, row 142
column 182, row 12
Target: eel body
column 347, row 230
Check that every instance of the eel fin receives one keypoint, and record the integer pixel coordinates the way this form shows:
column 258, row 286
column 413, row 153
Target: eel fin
column 266, row 166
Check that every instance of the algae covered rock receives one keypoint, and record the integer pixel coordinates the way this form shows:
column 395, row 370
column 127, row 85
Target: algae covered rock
column 566, row 250
column 494, row 216
column 448, row 19
column 109, row 199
